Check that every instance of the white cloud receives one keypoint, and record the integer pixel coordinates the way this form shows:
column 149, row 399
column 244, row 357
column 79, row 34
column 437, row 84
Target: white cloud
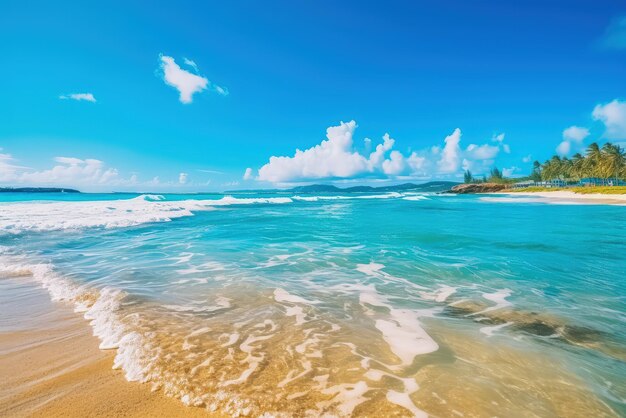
column 564, row 148
column 482, row 152
column 185, row 82
column 182, row 178
column 451, row 153
column 248, row 174
column 575, row 134
column 527, row 158
column 613, row 115
column 69, row 160
column 336, row 158
column 332, row 158
column 395, row 165
column 88, row 97
column 378, row 156
column 508, row 172
column 506, row 148
column 417, row 163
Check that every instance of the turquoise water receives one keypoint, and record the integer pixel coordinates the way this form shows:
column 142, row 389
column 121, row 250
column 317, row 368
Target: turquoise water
column 357, row 304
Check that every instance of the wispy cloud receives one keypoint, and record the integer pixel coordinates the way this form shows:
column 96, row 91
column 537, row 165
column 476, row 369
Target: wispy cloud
column 202, row 170
column 615, row 35
column 185, row 82
column 182, row 178
column 88, row 97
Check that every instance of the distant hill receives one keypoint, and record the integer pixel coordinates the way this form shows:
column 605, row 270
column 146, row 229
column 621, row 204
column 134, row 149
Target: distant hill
column 36, row 190
column 433, row 186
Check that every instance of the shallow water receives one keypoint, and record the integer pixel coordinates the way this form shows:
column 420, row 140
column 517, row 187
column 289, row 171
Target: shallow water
column 379, row 305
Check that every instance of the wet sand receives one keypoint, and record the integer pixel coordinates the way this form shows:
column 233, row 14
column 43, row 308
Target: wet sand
column 50, row 365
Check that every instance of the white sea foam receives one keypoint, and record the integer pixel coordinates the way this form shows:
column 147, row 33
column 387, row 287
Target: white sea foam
column 415, row 198
column 439, row 295
column 51, row 216
column 499, row 298
column 281, row 295
column 489, row 331
column 100, row 308
column 401, row 330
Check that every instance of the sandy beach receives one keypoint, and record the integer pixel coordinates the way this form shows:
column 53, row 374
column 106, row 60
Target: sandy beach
column 571, row 197
column 51, row 365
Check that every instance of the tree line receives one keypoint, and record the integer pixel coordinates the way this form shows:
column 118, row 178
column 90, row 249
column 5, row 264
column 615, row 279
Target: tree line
column 602, row 164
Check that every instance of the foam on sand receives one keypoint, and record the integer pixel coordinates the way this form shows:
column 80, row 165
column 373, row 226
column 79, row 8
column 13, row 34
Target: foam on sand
column 439, row 295
column 401, row 330
column 499, row 298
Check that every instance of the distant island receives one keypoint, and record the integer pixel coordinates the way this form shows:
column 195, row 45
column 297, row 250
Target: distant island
column 433, row 186
column 36, row 190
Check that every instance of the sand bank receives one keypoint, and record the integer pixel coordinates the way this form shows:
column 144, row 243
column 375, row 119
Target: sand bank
column 50, row 365
column 563, row 196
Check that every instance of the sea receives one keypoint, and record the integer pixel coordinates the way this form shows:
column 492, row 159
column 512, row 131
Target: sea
column 278, row 304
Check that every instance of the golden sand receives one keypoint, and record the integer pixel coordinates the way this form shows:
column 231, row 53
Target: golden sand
column 50, row 365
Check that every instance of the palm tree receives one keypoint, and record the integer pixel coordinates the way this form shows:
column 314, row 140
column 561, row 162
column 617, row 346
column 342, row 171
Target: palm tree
column 593, row 161
column 536, row 174
column 614, row 159
column 578, row 166
column 566, row 168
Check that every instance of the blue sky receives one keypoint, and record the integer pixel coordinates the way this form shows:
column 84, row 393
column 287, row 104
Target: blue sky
column 272, row 77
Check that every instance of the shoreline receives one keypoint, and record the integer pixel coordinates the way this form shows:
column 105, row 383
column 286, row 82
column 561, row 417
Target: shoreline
column 52, row 365
column 569, row 196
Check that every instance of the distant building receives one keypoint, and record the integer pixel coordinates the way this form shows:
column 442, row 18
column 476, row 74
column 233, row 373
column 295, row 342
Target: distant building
column 596, row 181
column 548, row 183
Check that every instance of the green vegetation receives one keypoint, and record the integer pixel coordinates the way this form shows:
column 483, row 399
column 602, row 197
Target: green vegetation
column 600, row 166
column 495, row 176
column 600, row 163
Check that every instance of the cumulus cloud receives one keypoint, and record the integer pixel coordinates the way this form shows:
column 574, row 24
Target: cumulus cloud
column 613, row 115
column 451, row 153
column 336, row 158
column 564, row 148
column 527, row 158
column 88, row 97
column 72, row 171
column 248, row 174
column 575, row 134
column 573, row 138
column 332, row 158
column 482, row 152
column 395, row 165
column 185, row 82
column 88, row 174
column 182, row 178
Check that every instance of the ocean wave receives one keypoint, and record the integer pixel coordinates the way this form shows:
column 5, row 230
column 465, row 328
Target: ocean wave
column 148, row 208
column 54, row 216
